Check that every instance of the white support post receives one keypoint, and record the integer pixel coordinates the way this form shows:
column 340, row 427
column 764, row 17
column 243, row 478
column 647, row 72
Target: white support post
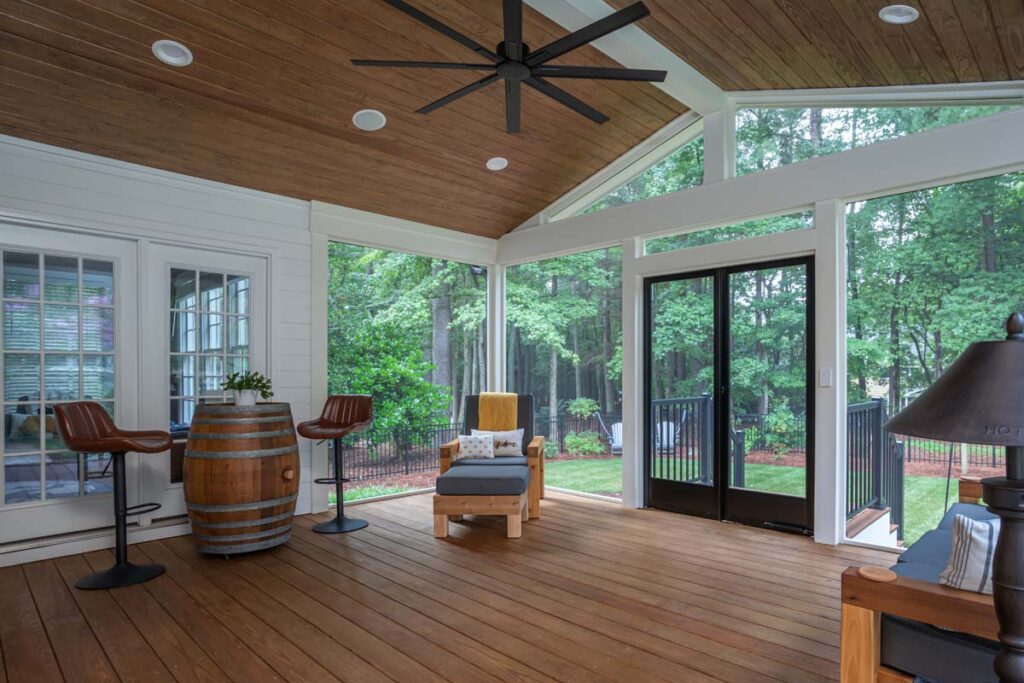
column 830, row 378
column 716, row 162
column 632, row 376
column 495, row 327
column 318, row 350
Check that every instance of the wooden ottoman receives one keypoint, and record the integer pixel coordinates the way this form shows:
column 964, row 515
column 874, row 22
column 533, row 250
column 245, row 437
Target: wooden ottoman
column 482, row 490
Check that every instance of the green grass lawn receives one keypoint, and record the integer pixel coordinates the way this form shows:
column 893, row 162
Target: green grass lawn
column 924, row 497
column 358, row 492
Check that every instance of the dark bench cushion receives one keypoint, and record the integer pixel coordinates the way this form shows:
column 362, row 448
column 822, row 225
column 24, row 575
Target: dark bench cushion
column 484, row 480
column 931, row 652
column 931, row 549
column 496, row 460
column 969, row 510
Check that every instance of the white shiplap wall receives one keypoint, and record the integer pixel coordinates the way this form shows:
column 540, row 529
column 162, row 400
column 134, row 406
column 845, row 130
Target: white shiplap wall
column 94, row 194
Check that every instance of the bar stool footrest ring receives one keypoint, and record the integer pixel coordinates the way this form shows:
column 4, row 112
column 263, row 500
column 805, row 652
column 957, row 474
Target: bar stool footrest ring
column 331, row 480
column 143, row 508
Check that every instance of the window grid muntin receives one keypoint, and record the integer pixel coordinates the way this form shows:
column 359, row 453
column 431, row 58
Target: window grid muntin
column 192, row 308
column 43, row 446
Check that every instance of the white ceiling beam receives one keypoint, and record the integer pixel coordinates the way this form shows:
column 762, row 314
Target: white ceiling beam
column 985, row 146
column 632, row 47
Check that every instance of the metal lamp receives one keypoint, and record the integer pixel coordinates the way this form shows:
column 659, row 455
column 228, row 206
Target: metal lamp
column 980, row 399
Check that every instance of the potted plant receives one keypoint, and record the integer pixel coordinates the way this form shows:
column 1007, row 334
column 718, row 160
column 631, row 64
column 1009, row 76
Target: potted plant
column 246, row 385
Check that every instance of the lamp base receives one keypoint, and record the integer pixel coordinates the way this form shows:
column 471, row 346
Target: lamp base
column 1005, row 497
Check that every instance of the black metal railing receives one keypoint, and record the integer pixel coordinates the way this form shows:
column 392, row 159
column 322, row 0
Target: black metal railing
column 874, row 463
column 682, row 444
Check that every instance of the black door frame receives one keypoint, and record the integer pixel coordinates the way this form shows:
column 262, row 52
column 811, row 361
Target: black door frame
column 721, row 501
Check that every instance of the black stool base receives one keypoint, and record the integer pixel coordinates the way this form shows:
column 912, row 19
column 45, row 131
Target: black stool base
column 121, row 574
column 340, row 525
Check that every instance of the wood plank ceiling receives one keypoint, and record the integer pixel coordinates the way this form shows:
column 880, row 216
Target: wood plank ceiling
column 268, row 102
column 783, row 44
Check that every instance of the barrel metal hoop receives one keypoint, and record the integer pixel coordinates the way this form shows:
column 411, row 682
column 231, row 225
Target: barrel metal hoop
column 263, row 453
column 244, row 537
column 239, row 507
column 241, row 420
column 231, row 409
column 241, row 522
column 244, row 547
column 241, row 435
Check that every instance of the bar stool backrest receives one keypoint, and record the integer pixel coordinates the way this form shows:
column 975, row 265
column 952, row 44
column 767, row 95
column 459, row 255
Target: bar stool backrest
column 85, row 426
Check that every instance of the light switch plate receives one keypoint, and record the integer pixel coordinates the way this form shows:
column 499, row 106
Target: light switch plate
column 825, row 377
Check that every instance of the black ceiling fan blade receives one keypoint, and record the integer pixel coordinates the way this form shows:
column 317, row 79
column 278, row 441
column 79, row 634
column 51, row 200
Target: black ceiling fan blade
column 461, row 92
column 601, row 27
column 422, row 65
column 513, row 11
column 599, row 72
column 571, row 101
column 443, row 29
column 513, row 105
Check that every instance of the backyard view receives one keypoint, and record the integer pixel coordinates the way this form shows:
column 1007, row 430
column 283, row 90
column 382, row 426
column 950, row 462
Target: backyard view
column 929, row 272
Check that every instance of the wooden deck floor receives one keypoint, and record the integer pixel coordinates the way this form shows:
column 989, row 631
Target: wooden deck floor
column 591, row 592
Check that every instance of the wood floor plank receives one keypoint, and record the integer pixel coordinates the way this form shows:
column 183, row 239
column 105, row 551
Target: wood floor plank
column 317, row 644
column 233, row 655
column 380, row 653
column 374, row 595
column 177, row 650
column 78, row 652
column 722, row 656
column 278, row 652
column 132, row 657
column 586, row 639
column 26, row 648
column 592, row 592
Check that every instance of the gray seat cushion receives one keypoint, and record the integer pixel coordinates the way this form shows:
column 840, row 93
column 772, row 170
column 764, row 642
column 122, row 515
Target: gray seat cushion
column 497, row 460
column 969, row 510
column 932, row 549
column 932, row 653
column 484, row 480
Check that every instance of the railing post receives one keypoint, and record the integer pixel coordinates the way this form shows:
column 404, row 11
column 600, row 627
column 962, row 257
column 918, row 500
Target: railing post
column 876, row 450
column 739, row 475
column 708, row 440
column 896, row 513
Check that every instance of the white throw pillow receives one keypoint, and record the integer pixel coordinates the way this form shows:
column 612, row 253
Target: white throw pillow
column 970, row 560
column 505, row 443
column 475, row 447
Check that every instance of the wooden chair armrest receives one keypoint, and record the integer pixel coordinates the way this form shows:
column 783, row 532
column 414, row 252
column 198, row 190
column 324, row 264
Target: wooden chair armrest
column 536, row 448
column 448, row 452
column 970, row 490
column 929, row 603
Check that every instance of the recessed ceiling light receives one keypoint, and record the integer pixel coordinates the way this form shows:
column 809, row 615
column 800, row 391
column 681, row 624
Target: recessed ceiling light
column 172, row 52
column 898, row 14
column 497, row 164
column 369, row 120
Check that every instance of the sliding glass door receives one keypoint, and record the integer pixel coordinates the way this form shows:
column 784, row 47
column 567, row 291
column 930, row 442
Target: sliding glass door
column 729, row 393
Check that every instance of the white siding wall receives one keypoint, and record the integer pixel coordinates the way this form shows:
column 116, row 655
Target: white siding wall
column 110, row 197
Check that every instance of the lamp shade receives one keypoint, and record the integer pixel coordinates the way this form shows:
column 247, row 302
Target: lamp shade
column 979, row 399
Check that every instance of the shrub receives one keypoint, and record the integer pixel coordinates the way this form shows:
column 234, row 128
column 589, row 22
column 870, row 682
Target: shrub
column 584, row 443
column 582, row 407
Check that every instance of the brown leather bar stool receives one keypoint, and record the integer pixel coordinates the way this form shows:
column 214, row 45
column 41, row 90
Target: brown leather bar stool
column 87, row 428
column 342, row 415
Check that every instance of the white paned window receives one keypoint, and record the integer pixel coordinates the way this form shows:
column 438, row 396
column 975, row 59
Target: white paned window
column 209, row 338
column 57, row 344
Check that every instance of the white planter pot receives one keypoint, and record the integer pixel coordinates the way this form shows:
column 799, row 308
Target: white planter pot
column 245, row 397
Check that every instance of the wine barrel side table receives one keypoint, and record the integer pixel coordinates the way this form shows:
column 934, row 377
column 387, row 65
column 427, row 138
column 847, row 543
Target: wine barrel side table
column 241, row 477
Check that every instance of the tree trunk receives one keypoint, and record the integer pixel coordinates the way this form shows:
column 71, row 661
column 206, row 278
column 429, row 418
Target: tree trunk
column 467, row 374
column 607, row 349
column 481, row 357
column 441, row 310
column 577, row 369
column 988, row 236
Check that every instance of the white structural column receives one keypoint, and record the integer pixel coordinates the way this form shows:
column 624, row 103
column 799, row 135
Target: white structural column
column 319, row 245
column 496, row 327
column 830, row 376
column 632, row 376
column 718, row 147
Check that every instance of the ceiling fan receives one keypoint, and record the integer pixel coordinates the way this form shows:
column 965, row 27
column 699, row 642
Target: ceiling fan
column 514, row 62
